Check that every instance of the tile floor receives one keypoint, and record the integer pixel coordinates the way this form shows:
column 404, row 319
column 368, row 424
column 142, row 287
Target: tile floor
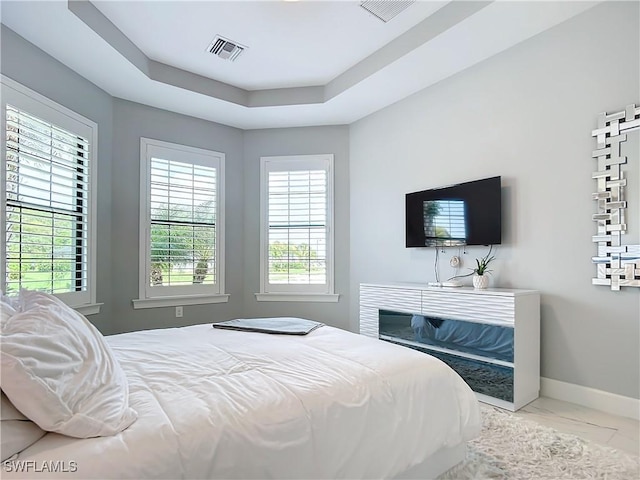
column 621, row 433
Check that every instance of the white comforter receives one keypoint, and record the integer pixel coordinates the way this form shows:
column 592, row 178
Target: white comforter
column 225, row 404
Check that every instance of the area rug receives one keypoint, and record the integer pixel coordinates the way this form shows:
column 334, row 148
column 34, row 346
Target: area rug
column 515, row 448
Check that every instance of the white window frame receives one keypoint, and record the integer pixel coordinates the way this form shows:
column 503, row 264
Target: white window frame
column 295, row 292
column 166, row 296
column 31, row 102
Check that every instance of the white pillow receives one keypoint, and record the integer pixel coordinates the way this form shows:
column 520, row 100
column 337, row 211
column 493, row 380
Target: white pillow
column 17, row 432
column 58, row 370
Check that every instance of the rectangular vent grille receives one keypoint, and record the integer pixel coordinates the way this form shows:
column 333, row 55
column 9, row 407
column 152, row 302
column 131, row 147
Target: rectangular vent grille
column 225, row 48
column 385, row 10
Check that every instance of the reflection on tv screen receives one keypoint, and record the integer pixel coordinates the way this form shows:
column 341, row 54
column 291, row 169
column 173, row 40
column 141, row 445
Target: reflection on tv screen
column 444, row 223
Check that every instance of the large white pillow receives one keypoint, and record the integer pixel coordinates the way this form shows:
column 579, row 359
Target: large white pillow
column 58, row 370
column 17, row 432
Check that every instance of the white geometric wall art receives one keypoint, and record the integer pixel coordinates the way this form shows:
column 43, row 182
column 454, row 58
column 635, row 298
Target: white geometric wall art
column 617, row 265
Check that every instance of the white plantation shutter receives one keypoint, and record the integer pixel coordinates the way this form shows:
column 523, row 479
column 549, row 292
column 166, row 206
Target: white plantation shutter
column 297, row 215
column 183, row 222
column 181, row 214
column 47, row 206
column 298, row 227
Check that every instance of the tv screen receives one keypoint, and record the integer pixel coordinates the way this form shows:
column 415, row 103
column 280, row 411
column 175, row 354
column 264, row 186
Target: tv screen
column 468, row 213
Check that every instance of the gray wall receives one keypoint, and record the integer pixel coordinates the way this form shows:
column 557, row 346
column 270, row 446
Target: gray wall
column 526, row 114
column 30, row 66
column 297, row 141
column 132, row 121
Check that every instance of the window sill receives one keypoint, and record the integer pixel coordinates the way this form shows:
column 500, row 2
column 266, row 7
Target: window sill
column 298, row 297
column 159, row 302
column 89, row 309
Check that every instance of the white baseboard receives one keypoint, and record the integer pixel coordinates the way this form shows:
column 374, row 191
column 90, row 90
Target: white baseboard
column 591, row 398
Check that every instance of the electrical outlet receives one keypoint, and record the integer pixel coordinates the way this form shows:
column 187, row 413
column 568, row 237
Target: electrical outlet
column 179, row 312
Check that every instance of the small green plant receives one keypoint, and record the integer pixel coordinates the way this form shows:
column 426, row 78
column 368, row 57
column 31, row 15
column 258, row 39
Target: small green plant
column 483, row 263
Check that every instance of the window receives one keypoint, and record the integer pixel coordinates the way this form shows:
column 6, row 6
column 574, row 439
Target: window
column 181, row 225
column 48, row 212
column 297, row 228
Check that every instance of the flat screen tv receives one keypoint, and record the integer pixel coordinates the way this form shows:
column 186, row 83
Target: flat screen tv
column 468, row 213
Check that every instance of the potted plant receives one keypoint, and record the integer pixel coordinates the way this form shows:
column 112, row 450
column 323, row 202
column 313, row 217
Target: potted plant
column 481, row 272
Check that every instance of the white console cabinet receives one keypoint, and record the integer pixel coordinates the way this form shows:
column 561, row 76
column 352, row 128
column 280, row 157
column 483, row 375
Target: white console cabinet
column 506, row 374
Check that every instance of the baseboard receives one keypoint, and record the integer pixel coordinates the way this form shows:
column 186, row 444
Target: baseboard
column 591, row 398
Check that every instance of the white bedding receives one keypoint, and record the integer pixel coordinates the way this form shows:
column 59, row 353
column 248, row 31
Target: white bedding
column 226, row 404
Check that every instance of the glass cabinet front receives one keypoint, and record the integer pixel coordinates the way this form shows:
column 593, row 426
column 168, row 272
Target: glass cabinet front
column 460, row 344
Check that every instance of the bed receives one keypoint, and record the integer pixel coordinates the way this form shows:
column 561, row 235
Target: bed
column 214, row 403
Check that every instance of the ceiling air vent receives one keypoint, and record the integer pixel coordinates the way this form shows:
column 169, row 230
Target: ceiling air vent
column 385, row 10
column 225, row 48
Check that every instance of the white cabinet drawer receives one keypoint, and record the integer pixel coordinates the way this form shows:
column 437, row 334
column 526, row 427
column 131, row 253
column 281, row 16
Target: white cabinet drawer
column 401, row 300
column 498, row 310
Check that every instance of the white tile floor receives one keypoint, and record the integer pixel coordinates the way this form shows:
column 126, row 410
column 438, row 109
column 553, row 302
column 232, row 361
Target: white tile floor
column 621, row 433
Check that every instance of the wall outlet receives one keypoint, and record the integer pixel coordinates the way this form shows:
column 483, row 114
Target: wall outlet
column 178, row 312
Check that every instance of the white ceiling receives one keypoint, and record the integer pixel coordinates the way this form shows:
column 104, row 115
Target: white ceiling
column 290, row 44
column 330, row 62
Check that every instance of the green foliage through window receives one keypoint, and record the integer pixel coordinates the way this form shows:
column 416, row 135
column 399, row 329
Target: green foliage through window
column 46, row 206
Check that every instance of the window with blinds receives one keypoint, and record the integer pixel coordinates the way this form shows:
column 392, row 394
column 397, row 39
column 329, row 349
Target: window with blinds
column 47, row 205
column 298, row 227
column 181, row 215
column 183, row 223
column 297, row 219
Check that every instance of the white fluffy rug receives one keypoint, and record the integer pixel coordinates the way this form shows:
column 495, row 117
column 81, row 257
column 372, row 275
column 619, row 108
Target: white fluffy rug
column 514, row 448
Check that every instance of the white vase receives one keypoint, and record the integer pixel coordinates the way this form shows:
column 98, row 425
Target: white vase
column 480, row 282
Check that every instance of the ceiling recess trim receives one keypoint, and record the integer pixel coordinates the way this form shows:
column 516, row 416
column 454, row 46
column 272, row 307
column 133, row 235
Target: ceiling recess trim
column 444, row 19
column 385, row 10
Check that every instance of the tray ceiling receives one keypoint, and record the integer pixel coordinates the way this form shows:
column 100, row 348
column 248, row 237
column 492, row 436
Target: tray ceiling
column 303, row 63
